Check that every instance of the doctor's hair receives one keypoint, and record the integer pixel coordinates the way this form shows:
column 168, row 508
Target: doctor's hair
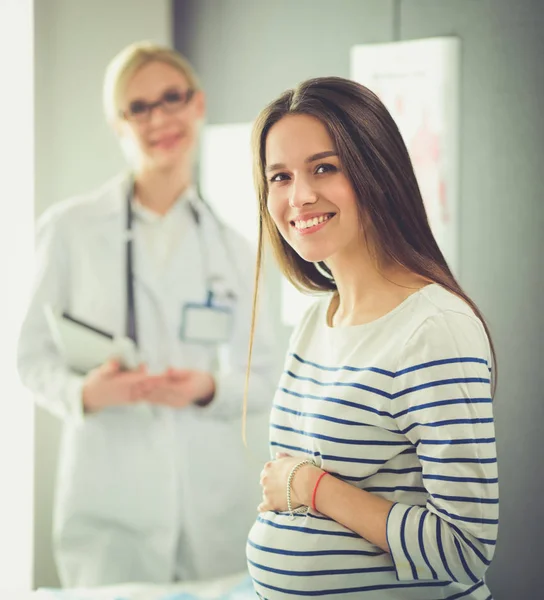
column 374, row 158
column 131, row 59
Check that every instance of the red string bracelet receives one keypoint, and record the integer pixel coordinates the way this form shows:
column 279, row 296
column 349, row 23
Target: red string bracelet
column 315, row 489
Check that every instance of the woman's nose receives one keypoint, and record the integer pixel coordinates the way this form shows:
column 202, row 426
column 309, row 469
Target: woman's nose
column 302, row 193
column 157, row 115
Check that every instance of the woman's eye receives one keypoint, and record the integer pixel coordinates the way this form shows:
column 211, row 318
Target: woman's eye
column 137, row 108
column 325, row 168
column 172, row 97
column 278, row 177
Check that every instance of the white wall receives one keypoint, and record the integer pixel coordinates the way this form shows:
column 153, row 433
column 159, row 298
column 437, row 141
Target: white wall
column 16, row 234
column 75, row 151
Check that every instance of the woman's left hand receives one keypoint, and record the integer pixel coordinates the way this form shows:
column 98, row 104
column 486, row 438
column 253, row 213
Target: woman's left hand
column 183, row 387
column 274, row 483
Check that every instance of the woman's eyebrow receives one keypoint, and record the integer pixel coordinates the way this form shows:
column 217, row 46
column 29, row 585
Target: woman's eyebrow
column 310, row 159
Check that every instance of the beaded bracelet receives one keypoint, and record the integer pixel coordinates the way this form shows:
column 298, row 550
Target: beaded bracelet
column 290, row 508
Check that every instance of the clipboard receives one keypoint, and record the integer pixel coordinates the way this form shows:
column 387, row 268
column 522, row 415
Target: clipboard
column 85, row 347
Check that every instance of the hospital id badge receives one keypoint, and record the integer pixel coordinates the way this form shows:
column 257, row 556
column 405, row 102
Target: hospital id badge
column 206, row 324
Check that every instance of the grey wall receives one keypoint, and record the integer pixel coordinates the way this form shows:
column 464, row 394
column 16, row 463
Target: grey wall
column 248, row 51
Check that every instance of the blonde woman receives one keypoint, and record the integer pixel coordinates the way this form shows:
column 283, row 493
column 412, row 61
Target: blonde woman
column 153, row 482
column 384, row 479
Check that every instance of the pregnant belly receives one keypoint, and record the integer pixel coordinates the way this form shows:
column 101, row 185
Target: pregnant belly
column 311, row 553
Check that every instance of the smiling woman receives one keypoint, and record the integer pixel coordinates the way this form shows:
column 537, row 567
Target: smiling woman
column 308, row 191
column 384, row 482
column 155, row 104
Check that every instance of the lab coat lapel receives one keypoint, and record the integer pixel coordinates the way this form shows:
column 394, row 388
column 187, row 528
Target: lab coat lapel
column 143, row 270
column 110, row 242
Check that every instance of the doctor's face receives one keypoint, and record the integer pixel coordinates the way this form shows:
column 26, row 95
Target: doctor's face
column 162, row 116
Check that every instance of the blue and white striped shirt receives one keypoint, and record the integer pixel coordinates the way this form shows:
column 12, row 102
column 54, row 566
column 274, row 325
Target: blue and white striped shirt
column 400, row 407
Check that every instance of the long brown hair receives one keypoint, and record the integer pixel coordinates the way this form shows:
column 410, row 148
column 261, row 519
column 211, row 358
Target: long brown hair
column 375, row 159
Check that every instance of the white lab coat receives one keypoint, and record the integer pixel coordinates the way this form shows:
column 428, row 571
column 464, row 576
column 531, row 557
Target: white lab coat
column 147, row 494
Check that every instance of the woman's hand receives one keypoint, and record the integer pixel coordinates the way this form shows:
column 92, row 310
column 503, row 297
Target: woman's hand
column 181, row 387
column 109, row 385
column 274, row 483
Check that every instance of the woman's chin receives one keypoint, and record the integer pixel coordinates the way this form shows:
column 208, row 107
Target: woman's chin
column 164, row 161
column 312, row 255
column 169, row 158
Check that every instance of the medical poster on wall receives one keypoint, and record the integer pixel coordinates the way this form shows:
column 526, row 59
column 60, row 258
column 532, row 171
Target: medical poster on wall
column 418, row 81
column 226, row 182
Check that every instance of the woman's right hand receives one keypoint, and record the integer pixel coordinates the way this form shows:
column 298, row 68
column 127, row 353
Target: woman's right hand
column 109, row 385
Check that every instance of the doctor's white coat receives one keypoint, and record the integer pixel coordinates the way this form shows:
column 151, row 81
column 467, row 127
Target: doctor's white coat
column 148, row 494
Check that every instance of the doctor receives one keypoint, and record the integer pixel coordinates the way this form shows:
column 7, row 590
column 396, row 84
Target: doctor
column 154, row 484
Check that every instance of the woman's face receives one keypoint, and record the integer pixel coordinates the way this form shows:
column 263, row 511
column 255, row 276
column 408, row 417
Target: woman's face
column 310, row 198
column 165, row 136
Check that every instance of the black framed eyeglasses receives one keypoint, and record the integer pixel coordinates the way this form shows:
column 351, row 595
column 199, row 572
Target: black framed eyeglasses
column 171, row 102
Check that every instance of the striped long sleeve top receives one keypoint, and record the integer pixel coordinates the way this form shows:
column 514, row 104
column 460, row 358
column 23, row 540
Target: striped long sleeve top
column 400, row 407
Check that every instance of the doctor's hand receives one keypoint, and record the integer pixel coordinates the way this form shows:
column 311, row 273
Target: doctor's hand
column 183, row 387
column 109, row 385
column 274, row 483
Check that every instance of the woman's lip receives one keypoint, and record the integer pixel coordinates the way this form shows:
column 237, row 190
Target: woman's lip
column 313, row 228
column 307, row 217
column 166, row 141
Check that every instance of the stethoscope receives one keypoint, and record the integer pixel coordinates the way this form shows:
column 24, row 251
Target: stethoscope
column 215, row 284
